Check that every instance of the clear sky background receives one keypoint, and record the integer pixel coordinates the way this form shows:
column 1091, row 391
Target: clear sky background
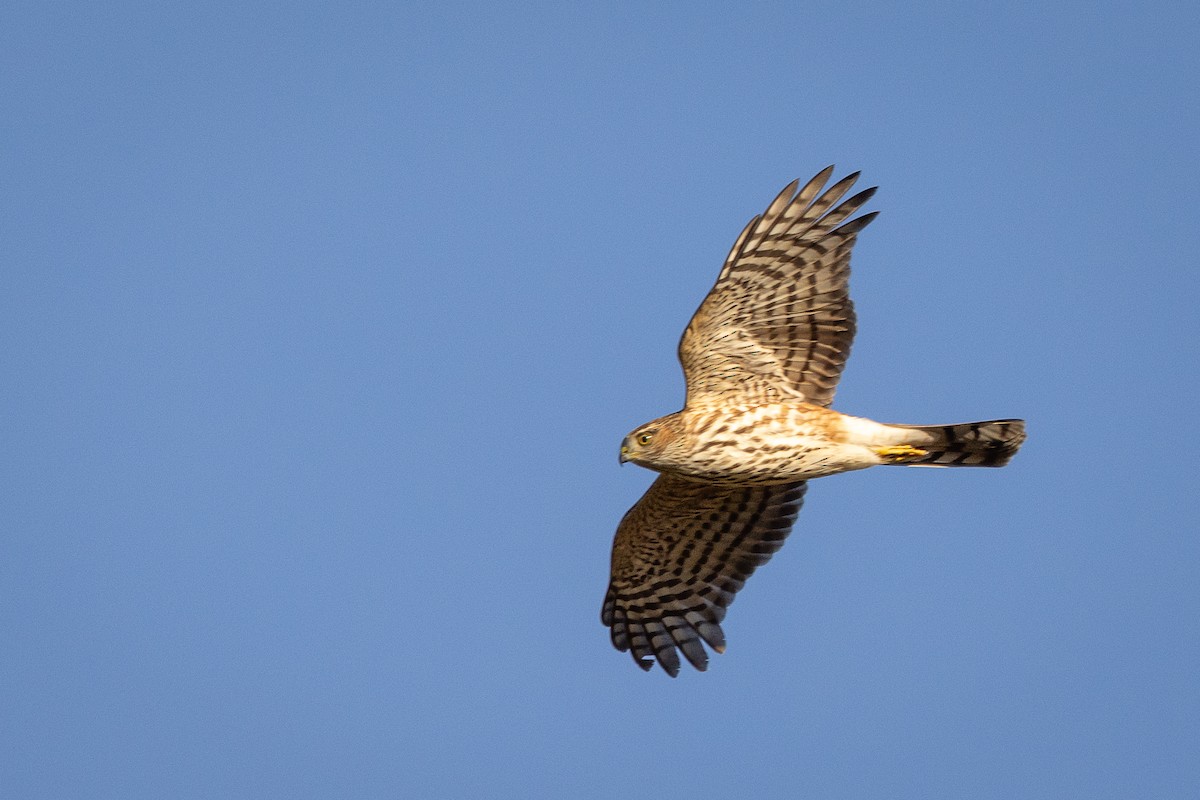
column 320, row 325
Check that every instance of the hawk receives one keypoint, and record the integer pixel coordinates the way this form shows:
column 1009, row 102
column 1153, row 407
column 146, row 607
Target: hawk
column 761, row 357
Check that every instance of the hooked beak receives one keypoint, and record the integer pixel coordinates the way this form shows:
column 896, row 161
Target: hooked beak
column 624, row 453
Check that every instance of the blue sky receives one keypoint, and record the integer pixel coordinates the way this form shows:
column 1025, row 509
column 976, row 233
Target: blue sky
column 321, row 325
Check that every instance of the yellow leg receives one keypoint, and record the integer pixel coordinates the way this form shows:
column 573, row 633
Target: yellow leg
column 899, row 453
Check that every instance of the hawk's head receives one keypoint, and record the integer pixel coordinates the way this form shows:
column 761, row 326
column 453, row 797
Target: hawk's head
column 650, row 445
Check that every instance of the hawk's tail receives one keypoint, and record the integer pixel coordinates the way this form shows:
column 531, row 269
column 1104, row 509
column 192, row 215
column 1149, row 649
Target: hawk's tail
column 967, row 444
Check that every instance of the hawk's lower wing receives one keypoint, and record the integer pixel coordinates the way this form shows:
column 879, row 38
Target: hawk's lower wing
column 680, row 555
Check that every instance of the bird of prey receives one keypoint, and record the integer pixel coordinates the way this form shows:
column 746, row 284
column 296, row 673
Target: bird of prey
column 761, row 357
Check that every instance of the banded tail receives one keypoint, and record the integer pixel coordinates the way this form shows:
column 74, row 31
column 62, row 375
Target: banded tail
column 968, row 444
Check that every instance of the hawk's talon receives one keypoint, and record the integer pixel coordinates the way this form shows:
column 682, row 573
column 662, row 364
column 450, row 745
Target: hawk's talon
column 900, row 452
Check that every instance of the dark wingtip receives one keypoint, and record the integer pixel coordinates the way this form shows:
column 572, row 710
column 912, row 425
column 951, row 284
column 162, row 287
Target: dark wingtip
column 857, row 224
column 863, row 196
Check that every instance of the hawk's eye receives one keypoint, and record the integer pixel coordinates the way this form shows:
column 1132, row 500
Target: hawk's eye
column 645, row 438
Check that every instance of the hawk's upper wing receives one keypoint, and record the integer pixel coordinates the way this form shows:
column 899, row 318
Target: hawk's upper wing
column 680, row 555
column 779, row 322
